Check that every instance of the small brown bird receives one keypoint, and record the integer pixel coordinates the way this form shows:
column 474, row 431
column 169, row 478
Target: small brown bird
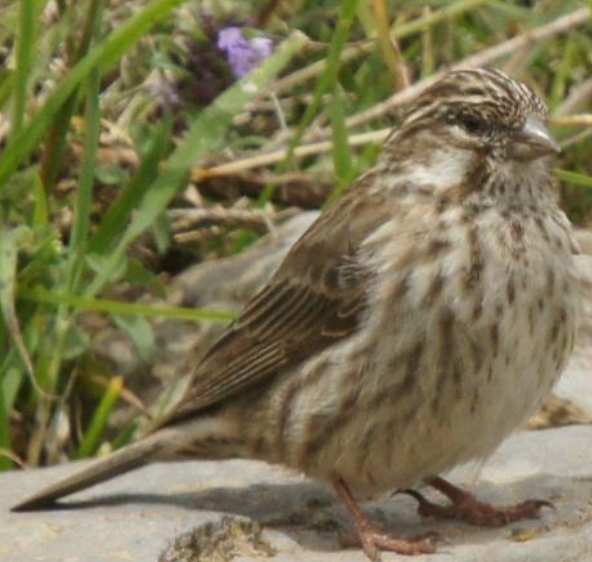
column 418, row 321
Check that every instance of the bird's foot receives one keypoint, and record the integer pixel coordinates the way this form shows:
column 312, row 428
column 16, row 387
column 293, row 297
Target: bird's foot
column 465, row 507
column 372, row 539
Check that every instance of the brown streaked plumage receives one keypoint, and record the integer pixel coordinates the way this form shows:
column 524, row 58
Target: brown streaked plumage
column 420, row 320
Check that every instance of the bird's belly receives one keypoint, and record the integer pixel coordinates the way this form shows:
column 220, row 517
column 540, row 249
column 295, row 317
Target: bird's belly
column 412, row 407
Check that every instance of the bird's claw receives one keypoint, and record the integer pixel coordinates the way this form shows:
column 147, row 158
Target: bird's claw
column 373, row 540
column 470, row 510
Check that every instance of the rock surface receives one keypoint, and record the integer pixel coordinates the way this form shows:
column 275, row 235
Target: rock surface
column 242, row 510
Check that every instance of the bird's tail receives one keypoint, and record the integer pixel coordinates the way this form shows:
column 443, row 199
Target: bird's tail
column 126, row 459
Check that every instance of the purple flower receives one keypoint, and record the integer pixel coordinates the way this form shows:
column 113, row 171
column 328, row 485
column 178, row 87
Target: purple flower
column 243, row 54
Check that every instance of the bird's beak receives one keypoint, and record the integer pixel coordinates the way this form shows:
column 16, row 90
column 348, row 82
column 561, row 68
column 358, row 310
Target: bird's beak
column 532, row 141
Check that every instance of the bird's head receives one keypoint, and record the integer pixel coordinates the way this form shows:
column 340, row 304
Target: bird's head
column 476, row 133
column 486, row 111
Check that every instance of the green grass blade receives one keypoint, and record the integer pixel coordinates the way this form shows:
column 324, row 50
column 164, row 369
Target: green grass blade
column 11, row 379
column 328, row 79
column 76, row 259
column 118, row 215
column 6, row 87
column 574, row 178
column 27, row 36
column 84, row 193
column 125, row 436
column 342, row 154
column 124, row 308
column 90, row 441
column 55, row 145
column 562, row 74
column 41, row 213
column 448, row 12
column 10, row 240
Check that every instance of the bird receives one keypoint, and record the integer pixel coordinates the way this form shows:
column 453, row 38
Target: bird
column 421, row 319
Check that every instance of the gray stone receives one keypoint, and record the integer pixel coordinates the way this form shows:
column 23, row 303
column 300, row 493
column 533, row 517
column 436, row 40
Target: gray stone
column 242, row 510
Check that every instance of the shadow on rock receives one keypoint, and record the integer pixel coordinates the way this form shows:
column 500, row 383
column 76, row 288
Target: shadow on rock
column 311, row 516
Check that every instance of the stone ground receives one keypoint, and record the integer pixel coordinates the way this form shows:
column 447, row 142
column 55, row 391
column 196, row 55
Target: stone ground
column 242, row 510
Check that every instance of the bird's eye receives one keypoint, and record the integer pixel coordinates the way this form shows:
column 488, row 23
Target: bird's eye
column 471, row 123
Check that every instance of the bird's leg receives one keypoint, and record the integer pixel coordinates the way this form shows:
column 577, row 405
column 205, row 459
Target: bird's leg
column 465, row 507
column 371, row 538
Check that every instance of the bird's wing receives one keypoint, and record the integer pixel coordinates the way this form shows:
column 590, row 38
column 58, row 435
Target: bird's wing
column 316, row 298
